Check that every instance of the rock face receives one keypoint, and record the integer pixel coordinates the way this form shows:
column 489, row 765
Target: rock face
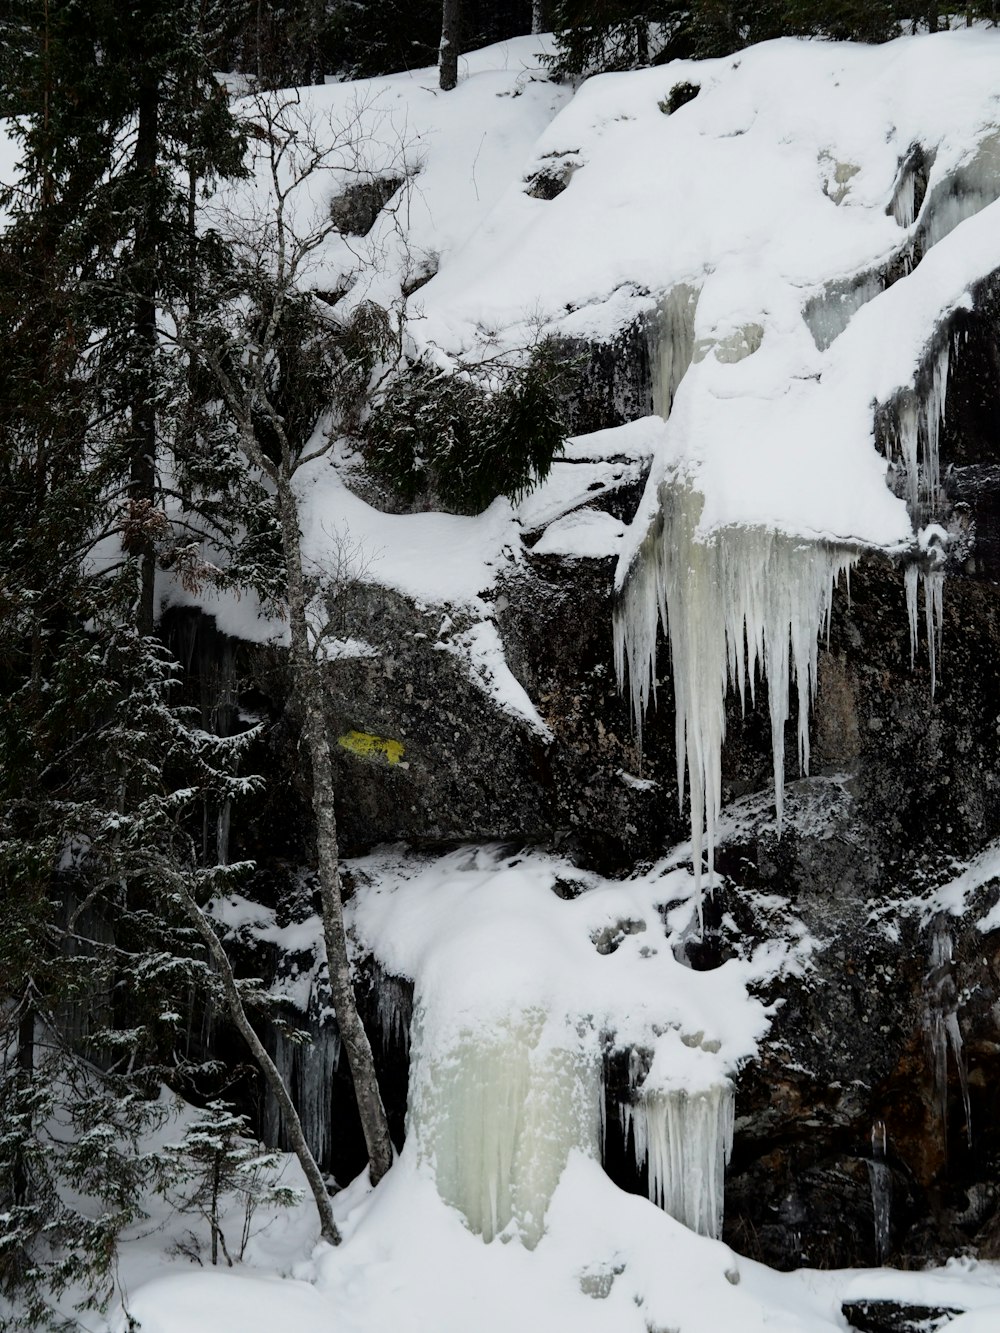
column 893, row 1030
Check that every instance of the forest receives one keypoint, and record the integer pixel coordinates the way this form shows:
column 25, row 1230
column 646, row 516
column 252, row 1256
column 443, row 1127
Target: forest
column 383, row 387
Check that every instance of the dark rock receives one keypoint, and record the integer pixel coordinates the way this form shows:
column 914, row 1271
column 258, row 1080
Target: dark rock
column 354, row 211
column 895, row 1317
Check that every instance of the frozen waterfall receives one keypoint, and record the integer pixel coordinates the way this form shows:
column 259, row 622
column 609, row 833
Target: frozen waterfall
column 741, row 603
column 496, row 1114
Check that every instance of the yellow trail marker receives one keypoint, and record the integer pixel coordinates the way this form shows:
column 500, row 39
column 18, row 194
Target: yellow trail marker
column 366, row 746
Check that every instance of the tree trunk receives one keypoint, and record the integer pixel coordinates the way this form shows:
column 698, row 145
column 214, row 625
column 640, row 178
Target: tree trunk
column 538, row 22
column 451, row 24
column 308, row 689
column 142, row 488
column 289, row 1115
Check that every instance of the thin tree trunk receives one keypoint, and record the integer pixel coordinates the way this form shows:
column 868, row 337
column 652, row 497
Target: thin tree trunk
column 451, row 43
column 25, row 1062
column 538, row 23
column 308, row 688
column 142, row 487
column 289, row 1115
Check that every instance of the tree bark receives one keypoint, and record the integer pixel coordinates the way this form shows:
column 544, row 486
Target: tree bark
column 538, row 20
column 308, row 688
column 451, row 44
column 142, row 488
column 289, row 1115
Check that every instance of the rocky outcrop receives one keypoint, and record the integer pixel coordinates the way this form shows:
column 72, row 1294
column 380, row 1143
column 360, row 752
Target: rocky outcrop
column 894, row 1026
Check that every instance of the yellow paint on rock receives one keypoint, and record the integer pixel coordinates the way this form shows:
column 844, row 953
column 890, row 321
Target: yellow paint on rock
column 367, row 746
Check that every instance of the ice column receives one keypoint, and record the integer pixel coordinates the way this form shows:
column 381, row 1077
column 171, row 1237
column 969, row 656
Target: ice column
column 496, row 1111
column 740, row 603
column 686, row 1139
column 881, row 1184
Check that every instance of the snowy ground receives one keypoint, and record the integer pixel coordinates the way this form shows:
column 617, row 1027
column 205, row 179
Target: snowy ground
column 486, row 939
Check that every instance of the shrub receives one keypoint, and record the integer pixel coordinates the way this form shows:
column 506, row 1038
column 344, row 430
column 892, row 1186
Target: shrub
column 462, row 439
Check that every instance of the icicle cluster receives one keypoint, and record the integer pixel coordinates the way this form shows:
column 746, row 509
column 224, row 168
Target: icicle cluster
column 307, row 1069
column 933, row 580
column 394, row 1007
column 497, row 1113
column 745, row 603
column 943, row 1029
column 918, row 433
column 686, row 1139
column 904, row 199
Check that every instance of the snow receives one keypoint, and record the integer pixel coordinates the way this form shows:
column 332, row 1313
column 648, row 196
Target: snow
column 586, row 533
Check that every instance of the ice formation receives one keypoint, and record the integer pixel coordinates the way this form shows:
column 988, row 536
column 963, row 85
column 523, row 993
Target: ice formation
column 943, row 1028
column 880, row 1178
column 520, row 993
column 933, row 581
column 743, row 603
column 904, row 198
column 973, row 186
column 829, row 313
column 497, row 1113
column 673, row 344
column 685, row 1139
column 308, row 1069
column 915, row 443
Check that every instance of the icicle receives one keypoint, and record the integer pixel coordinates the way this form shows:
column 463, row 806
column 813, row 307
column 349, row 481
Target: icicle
column 880, row 1178
column 904, row 199
column 686, row 1139
column 746, row 600
column 911, row 580
column 933, row 618
column 943, row 1028
column 496, row 1114
column 673, row 346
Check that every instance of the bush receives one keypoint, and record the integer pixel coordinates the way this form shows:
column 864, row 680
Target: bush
column 463, row 439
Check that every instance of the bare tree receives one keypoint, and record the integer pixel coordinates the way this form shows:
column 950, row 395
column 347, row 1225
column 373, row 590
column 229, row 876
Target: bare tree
column 282, row 360
column 238, row 1013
